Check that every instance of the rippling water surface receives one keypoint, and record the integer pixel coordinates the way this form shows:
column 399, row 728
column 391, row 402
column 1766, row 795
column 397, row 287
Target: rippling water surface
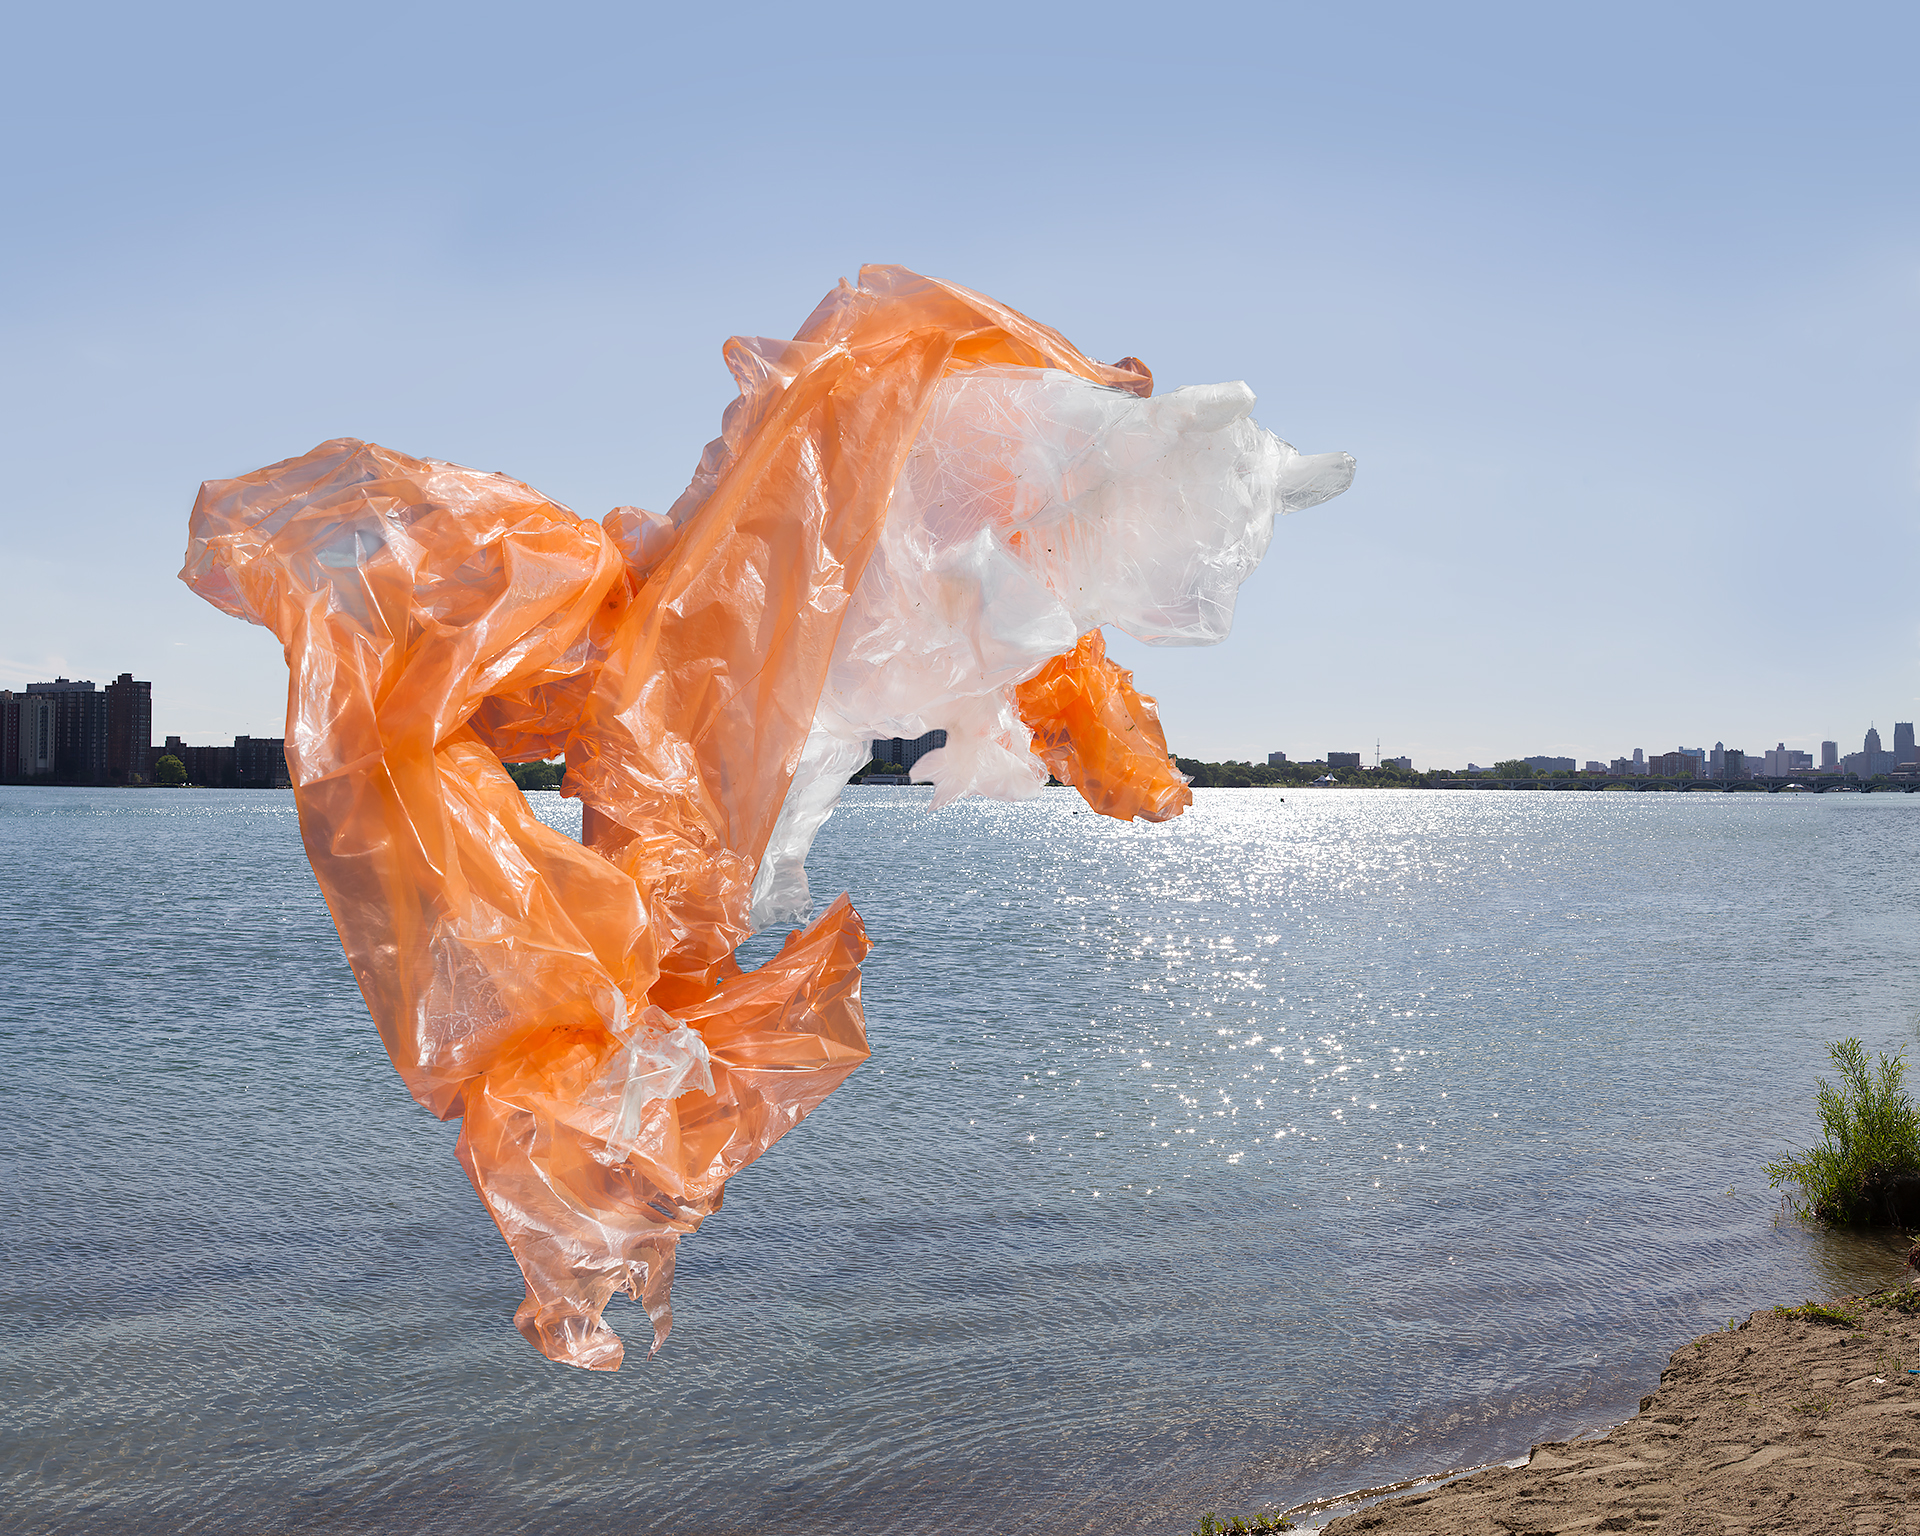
column 1292, row 1146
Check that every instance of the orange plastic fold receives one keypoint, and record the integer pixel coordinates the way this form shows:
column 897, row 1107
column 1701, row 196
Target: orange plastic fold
column 1095, row 731
column 578, row 1003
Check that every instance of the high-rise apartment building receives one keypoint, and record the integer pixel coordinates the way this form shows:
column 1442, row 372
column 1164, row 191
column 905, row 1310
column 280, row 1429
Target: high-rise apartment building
column 129, row 729
column 905, row 752
column 69, row 732
column 34, row 737
column 74, row 714
column 9, row 735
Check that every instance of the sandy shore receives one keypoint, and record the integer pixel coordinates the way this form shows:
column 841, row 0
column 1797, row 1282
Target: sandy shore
column 1790, row 1423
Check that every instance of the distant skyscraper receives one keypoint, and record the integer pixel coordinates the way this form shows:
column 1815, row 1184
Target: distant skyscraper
column 1275, row 759
column 1717, row 761
column 1870, row 759
column 1903, row 742
column 1639, row 761
column 1829, row 757
column 1784, row 761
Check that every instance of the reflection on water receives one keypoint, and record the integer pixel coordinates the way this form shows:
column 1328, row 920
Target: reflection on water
column 1849, row 1263
column 1292, row 1146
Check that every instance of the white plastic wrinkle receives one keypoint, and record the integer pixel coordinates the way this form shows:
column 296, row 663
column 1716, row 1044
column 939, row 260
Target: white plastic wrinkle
column 1033, row 507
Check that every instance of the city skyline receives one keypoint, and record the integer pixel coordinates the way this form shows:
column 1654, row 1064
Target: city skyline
column 1828, row 756
column 64, row 730
column 120, row 739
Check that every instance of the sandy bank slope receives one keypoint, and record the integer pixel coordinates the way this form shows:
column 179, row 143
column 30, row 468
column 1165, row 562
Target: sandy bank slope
column 1785, row 1424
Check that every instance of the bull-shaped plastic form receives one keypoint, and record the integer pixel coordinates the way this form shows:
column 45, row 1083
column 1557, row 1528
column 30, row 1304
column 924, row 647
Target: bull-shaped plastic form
column 919, row 514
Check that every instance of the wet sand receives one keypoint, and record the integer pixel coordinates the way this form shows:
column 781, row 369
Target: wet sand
column 1788, row 1423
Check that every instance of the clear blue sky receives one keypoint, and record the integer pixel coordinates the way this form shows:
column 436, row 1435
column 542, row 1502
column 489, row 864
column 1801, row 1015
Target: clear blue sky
column 1616, row 307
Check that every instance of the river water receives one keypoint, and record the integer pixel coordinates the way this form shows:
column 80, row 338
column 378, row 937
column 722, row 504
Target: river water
column 1293, row 1146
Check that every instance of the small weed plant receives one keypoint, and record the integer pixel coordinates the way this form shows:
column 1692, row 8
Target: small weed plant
column 1212, row 1525
column 1871, row 1136
column 1820, row 1312
column 1906, row 1299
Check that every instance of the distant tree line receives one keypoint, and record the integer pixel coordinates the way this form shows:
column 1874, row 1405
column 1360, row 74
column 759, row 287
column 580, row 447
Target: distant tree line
column 1232, row 775
column 538, row 775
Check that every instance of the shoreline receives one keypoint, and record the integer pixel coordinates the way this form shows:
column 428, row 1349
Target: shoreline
column 1802, row 1418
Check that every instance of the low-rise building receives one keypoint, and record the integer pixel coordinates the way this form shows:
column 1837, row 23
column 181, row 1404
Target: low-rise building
column 260, row 762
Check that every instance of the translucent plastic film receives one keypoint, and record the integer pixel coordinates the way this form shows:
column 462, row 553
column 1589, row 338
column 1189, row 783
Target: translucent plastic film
column 918, row 515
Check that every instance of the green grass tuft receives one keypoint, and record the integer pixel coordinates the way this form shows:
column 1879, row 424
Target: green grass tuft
column 1820, row 1312
column 1906, row 1299
column 1871, row 1135
column 1212, row 1525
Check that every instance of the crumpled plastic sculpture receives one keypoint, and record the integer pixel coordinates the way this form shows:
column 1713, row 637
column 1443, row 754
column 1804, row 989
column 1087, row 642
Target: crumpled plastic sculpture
column 919, row 513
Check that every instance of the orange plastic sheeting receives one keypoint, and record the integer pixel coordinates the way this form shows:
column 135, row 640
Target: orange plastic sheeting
column 579, row 1005
column 1095, row 731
